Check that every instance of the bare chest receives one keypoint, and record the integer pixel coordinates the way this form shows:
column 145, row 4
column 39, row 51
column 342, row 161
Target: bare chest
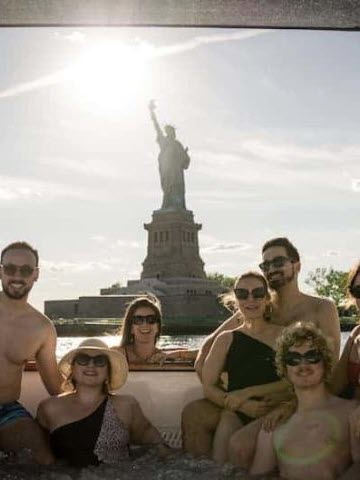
column 296, row 314
column 18, row 341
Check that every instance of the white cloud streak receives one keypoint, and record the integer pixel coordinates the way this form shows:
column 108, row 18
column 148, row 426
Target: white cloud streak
column 63, row 75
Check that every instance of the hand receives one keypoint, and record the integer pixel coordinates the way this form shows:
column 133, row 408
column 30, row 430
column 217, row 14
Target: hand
column 254, row 408
column 158, row 357
column 278, row 416
column 236, row 398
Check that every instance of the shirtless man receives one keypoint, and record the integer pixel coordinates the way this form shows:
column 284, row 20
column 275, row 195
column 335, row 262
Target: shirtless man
column 281, row 267
column 25, row 334
column 318, row 441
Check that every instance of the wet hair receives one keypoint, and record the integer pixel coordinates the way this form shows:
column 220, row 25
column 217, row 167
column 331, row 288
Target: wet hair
column 69, row 384
column 230, row 301
column 296, row 335
column 20, row 246
column 147, row 300
column 291, row 250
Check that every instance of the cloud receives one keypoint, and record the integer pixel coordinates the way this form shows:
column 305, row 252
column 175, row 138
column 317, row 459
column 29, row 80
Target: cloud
column 14, row 188
column 73, row 37
column 332, row 253
column 73, row 267
column 149, row 50
column 355, row 184
column 226, row 247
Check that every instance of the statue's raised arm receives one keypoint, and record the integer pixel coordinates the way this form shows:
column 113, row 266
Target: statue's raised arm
column 173, row 160
column 152, row 108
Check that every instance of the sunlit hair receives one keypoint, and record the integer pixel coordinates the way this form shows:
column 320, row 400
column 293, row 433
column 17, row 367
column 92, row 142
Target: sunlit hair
column 353, row 274
column 147, row 300
column 296, row 335
column 291, row 250
column 20, row 246
column 230, row 301
column 69, row 383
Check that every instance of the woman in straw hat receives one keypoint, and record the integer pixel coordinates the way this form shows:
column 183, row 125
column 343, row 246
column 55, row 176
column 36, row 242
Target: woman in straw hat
column 89, row 424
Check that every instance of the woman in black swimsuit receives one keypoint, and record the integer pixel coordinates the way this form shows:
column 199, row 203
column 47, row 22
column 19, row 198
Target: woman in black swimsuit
column 247, row 355
column 91, row 425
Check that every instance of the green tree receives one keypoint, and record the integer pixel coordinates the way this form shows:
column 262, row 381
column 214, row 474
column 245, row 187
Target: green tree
column 225, row 281
column 330, row 283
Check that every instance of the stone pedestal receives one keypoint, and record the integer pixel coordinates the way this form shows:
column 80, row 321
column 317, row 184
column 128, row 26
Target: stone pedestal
column 173, row 246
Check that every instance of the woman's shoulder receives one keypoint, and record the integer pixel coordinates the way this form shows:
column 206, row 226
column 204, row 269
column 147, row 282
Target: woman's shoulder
column 54, row 404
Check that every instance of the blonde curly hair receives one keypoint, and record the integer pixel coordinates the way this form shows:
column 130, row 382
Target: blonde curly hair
column 297, row 334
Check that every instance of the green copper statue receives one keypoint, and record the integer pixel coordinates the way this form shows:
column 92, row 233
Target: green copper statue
column 173, row 160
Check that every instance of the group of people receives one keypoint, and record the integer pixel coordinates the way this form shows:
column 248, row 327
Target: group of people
column 271, row 377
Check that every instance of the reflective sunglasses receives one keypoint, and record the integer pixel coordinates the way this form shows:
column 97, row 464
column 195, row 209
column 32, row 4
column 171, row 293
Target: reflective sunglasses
column 311, row 357
column 140, row 319
column 355, row 291
column 256, row 293
column 276, row 262
column 25, row 270
column 83, row 359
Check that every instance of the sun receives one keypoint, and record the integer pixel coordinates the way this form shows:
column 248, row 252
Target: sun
column 110, row 73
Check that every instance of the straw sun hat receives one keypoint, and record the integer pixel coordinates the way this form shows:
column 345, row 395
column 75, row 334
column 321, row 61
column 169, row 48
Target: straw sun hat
column 119, row 367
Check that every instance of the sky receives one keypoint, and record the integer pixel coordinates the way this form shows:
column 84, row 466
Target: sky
column 271, row 119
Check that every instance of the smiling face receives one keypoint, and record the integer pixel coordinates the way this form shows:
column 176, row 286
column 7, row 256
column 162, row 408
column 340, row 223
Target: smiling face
column 18, row 273
column 146, row 331
column 90, row 374
column 280, row 270
column 253, row 306
column 307, row 374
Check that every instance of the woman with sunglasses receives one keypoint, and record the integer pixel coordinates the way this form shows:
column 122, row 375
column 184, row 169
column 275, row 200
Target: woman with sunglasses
column 140, row 332
column 90, row 425
column 346, row 377
column 247, row 355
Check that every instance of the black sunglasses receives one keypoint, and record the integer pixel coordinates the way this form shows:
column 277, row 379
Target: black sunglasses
column 256, row 293
column 311, row 357
column 355, row 291
column 276, row 262
column 11, row 269
column 83, row 359
column 140, row 319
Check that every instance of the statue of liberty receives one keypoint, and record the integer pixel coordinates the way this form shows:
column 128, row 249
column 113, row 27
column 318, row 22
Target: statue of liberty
column 173, row 160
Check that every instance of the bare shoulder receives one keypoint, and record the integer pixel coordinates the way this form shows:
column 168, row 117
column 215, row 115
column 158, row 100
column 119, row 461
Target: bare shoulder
column 54, row 404
column 345, row 405
column 225, row 337
column 41, row 320
column 319, row 304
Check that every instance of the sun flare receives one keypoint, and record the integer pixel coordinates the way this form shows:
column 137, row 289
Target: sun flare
column 110, row 73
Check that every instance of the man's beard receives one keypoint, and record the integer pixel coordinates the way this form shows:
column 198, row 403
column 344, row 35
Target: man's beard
column 16, row 294
column 280, row 280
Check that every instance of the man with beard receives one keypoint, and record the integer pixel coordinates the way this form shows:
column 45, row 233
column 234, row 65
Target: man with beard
column 25, row 333
column 305, row 358
column 281, row 266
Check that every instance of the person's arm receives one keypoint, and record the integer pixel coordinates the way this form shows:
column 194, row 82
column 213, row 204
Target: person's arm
column 46, row 361
column 229, row 324
column 280, row 386
column 339, row 379
column 329, row 324
column 213, row 367
column 184, row 355
column 265, row 458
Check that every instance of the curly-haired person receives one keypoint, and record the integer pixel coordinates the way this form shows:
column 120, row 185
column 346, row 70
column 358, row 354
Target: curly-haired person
column 318, row 441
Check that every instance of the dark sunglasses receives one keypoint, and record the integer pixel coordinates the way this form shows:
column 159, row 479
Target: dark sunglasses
column 311, row 357
column 355, row 291
column 83, row 359
column 256, row 293
column 140, row 319
column 276, row 262
column 11, row 269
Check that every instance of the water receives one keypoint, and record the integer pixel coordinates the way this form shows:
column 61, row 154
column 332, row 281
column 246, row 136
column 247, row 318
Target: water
column 190, row 341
